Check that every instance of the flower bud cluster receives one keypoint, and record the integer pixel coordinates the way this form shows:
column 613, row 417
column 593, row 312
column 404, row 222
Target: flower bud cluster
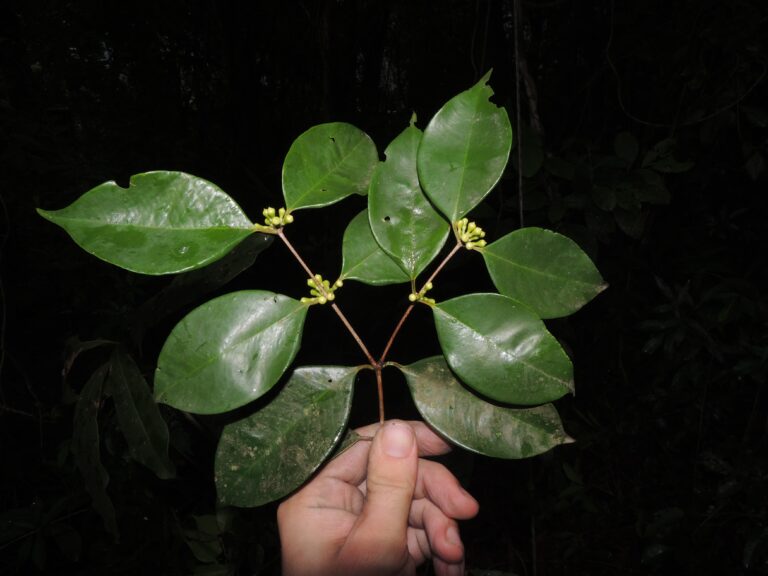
column 420, row 295
column 470, row 234
column 321, row 290
column 277, row 218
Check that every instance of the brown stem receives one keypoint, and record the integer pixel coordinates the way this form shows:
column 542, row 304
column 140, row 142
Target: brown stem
column 394, row 334
column 336, row 309
column 283, row 237
column 355, row 335
column 408, row 310
column 444, row 262
column 380, row 390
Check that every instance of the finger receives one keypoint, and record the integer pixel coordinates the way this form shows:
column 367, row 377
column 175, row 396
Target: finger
column 442, row 532
column 430, row 444
column 383, row 522
column 436, row 483
column 352, row 465
column 443, row 568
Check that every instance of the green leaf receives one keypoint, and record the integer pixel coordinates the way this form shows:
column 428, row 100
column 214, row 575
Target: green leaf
column 229, row 351
column 500, row 348
column 476, row 425
column 270, row 453
column 363, row 259
column 139, row 418
column 464, row 151
column 87, row 448
column 326, row 163
column 403, row 221
column 544, row 270
column 164, row 223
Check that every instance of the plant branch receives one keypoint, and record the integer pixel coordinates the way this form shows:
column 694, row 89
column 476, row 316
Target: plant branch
column 407, row 312
column 355, row 335
column 380, row 390
column 339, row 313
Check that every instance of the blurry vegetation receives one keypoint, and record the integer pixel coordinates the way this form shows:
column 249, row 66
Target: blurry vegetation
column 644, row 132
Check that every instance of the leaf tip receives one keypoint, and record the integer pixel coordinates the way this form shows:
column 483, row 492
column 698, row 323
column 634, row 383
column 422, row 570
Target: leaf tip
column 412, row 121
column 569, row 440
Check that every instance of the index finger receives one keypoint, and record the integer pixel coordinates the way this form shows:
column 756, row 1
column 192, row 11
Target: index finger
column 352, row 465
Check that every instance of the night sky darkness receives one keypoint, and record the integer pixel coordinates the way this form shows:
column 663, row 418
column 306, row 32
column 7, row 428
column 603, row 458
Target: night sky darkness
column 669, row 474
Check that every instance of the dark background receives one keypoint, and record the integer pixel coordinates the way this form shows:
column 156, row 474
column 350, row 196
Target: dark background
column 669, row 473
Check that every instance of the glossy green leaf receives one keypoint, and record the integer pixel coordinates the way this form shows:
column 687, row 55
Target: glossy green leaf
column 229, row 351
column 500, row 348
column 87, row 448
column 544, row 270
column 403, row 221
column 326, row 163
column 363, row 259
column 474, row 424
column 164, row 223
column 464, row 151
column 137, row 413
column 270, row 453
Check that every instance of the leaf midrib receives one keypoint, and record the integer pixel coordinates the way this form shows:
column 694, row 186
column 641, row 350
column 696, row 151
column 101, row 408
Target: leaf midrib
column 539, row 272
column 503, row 353
column 219, row 351
column 297, row 202
column 100, row 224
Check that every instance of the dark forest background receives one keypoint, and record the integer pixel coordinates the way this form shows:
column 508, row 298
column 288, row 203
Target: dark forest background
column 644, row 134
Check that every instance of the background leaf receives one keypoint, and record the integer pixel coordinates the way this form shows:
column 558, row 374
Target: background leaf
column 270, row 453
column 326, row 163
column 474, row 424
column 402, row 220
column 502, row 349
column 140, row 420
column 363, row 259
column 229, row 351
column 546, row 271
column 164, row 223
column 464, row 151
column 87, row 449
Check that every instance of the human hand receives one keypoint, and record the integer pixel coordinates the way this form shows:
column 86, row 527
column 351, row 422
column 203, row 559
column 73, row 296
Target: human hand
column 378, row 509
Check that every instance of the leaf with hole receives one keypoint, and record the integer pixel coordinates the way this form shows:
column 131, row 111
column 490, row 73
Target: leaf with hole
column 500, row 348
column 546, row 271
column 140, row 421
column 474, row 424
column 272, row 452
column 164, row 223
column 327, row 163
column 464, row 151
column 364, row 260
column 402, row 220
column 229, row 351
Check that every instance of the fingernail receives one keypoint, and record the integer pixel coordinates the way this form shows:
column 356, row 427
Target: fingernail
column 452, row 535
column 397, row 440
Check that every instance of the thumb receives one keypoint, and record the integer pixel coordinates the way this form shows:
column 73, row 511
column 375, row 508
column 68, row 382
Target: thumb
column 392, row 468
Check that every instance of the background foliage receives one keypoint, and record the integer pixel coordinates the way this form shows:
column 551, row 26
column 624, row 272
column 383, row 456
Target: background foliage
column 645, row 136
